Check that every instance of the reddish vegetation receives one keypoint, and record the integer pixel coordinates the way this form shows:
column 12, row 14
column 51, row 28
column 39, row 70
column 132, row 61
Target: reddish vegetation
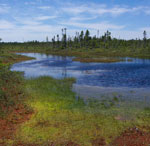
column 9, row 125
column 69, row 143
column 15, row 59
column 98, row 142
column 133, row 137
column 102, row 59
column 22, row 144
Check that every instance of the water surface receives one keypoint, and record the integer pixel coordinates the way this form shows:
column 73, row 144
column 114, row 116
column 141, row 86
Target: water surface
column 131, row 75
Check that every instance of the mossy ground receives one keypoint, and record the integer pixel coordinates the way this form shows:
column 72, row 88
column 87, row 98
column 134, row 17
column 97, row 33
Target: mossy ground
column 59, row 118
column 82, row 54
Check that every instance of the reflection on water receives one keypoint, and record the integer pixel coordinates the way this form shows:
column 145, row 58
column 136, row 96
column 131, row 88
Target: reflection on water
column 134, row 74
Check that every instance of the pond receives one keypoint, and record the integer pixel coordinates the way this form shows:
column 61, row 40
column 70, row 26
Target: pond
column 93, row 79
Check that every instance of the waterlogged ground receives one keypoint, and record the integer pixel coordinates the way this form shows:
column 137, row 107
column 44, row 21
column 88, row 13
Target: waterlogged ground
column 128, row 78
column 61, row 120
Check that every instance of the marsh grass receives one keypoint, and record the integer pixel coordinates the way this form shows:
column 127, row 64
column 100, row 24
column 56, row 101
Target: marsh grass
column 11, row 83
column 10, row 58
column 59, row 118
column 83, row 54
column 102, row 59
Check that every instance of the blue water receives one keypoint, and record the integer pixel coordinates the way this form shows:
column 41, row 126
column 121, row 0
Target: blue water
column 135, row 74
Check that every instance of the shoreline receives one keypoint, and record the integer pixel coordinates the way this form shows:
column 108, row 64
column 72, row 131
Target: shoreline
column 89, row 57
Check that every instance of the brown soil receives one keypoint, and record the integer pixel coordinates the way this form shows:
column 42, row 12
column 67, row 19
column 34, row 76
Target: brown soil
column 130, row 137
column 9, row 125
column 15, row 59
column 102, row 60
column 23, row 144
column 69, row 143
column 98, row 142
column 133, row 137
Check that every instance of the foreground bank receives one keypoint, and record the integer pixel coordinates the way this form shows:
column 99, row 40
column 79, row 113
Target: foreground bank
column 60, row 119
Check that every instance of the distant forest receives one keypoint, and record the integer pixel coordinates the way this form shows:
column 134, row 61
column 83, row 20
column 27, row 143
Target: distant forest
column 83, row 40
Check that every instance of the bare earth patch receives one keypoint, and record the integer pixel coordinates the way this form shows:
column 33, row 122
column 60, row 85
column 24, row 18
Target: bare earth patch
column 98, row 142
column 9, row 125
column 133, row 137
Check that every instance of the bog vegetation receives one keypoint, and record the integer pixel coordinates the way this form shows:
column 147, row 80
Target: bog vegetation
column 12, row 92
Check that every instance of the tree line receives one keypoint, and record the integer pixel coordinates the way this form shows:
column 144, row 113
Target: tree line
column 84, row 40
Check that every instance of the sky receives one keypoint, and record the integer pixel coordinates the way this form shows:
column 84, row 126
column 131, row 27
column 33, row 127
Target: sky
column 27, row 20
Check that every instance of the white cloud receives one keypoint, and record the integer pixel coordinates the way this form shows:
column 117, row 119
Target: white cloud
column 96, row 26
column 74, row 10
column 147, row 12
column 27, row 21
column 29, row 32
column 114, row 11
column 44, row 7
column 39, row 28
column 33, row 21
column 4, row 8
column 40, row 18
column 30, row 3
column 145, row 28
column 127, row 34
column 6, row 24
column 82, row 18
column 102, row 9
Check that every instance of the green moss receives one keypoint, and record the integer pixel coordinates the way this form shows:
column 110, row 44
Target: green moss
column 60, row 118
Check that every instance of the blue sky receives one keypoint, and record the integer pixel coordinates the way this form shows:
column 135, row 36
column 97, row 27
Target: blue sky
column 23, row 20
